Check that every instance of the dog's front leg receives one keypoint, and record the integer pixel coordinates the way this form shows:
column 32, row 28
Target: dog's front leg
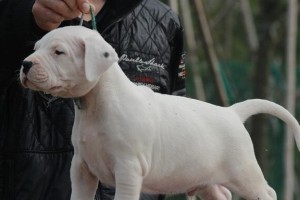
column 84, row 184
column 128, row 183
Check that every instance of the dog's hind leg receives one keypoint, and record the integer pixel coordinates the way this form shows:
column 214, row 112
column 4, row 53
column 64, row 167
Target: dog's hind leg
column 271, row 192
column 257, row 192
column 214, row 192
column 251, row 185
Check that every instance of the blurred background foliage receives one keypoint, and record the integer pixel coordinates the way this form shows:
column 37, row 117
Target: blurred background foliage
column 256, row 69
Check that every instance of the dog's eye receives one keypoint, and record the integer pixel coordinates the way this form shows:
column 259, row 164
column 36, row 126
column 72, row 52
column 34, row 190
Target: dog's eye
column 57, row 52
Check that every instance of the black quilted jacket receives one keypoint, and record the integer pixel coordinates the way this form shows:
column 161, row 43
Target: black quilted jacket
column 35, row 129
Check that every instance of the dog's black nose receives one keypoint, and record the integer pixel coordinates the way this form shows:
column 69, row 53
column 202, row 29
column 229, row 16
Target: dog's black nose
column 26, row 66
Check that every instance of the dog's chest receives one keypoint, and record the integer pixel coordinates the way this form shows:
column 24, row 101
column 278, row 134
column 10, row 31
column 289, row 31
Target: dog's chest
column 94, row 150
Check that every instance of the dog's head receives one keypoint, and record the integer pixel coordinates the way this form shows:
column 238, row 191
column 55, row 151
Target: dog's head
column 67, row 62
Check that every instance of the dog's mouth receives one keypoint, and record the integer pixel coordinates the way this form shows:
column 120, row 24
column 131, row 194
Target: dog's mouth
column 55, row 90
column 33, row 86
column 24, row 82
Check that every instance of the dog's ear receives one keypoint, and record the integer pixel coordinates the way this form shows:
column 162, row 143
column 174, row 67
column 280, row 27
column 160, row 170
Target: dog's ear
column 99, row 56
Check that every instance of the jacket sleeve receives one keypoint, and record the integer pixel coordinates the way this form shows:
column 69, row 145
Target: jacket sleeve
column 177, row 64
column 18, row 33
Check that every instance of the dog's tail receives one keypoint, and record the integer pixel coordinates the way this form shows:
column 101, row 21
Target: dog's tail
column 255, row 106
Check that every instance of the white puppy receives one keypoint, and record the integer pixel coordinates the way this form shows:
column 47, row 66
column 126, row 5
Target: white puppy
column 137, row 140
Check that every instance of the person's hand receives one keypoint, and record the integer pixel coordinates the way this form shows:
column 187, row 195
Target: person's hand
column 49, row 14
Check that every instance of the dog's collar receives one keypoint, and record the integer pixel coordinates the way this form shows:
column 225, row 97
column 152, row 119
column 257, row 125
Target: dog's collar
column 77, row 102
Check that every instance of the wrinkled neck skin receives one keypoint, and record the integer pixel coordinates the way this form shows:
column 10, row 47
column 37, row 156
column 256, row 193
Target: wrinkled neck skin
column 113, row 85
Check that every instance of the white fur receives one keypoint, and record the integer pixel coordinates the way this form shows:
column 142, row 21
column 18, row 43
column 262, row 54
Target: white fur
column 137, row 140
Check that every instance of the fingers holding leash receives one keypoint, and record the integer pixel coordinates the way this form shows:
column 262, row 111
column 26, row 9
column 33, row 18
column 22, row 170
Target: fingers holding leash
column 49, row 14
column 45, row 15
column 84, row 6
